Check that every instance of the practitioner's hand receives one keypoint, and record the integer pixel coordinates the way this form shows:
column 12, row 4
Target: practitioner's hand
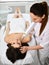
column 24, row 49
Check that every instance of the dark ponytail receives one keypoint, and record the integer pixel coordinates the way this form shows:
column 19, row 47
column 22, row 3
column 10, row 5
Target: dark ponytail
column 40, row 9
column 45, row 20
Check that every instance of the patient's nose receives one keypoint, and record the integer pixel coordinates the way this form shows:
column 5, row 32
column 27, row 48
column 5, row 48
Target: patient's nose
column 19, row 42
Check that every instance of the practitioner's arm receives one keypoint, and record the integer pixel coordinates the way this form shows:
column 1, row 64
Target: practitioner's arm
column 26, row 48
column 28, row 37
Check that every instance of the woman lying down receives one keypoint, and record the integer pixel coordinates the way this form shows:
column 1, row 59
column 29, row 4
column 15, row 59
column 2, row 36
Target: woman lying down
column 15, row 29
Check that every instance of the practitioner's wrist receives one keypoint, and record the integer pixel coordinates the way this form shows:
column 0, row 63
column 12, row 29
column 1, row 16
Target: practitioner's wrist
column 29, row 48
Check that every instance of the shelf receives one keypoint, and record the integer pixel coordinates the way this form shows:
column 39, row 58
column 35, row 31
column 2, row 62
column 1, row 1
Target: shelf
column 4, row 10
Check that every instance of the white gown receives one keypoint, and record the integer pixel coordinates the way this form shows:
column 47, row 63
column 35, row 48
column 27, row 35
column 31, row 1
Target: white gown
column 17, row 25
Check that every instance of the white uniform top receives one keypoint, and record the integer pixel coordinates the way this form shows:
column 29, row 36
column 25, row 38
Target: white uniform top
column 43, row 39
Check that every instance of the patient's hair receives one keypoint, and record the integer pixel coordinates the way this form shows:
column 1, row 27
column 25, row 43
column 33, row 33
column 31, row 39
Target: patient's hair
column 14, row 54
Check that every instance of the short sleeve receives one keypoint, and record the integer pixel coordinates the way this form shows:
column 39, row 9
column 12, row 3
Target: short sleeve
column 9, row 17
column 27, row 18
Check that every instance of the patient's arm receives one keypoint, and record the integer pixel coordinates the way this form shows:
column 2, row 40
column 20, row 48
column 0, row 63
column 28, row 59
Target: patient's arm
column 26, row 24
column 7, row 28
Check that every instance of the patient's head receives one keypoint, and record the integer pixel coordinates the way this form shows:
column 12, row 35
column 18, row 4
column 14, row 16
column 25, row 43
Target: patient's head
column 14, row 54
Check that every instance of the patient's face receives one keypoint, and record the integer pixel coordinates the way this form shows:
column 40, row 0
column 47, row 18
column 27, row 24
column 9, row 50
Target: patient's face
column 16, row 44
